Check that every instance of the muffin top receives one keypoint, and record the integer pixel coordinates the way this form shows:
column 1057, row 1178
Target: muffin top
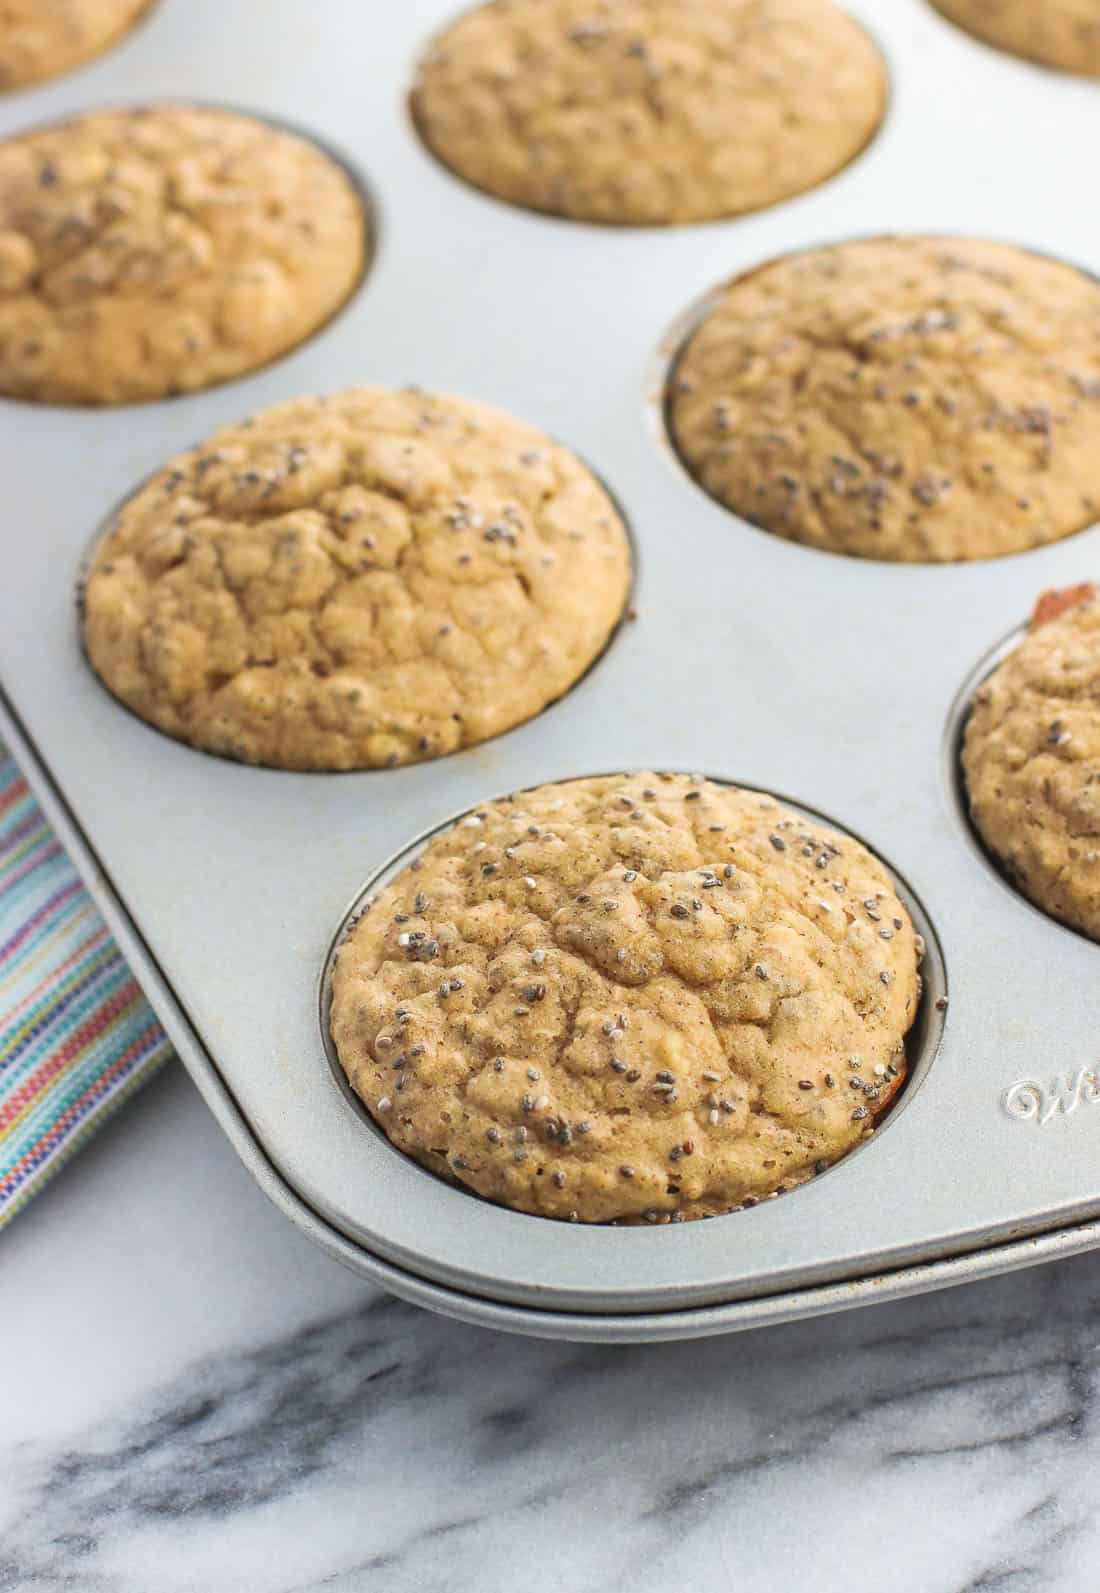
column 635, row 997
column 1031, row 760
column 40, row 38
column 356, row 581
column 149, row 252
column 1059, row 33
column 649, row 111
column 905, row 398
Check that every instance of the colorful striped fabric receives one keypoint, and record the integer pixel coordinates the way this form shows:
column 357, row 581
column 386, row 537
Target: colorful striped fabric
column 76, row 1034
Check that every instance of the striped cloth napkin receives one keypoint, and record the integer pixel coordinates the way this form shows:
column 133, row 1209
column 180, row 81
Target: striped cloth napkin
column 76, row 1034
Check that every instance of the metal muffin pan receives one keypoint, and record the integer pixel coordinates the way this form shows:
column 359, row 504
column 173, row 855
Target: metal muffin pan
column 831, row 681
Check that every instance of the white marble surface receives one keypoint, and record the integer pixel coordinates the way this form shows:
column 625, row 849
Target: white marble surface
column 196, row 1399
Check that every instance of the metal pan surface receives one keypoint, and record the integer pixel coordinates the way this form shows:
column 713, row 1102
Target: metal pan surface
column 831, row 681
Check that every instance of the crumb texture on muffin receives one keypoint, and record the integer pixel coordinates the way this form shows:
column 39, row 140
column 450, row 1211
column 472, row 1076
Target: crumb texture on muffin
column 649, row 111
column 156, row 251
column 629, row 998
column 1061, row 33
column 41, row 38
column 1031, row 761
column 905, row 398
column 356, row 581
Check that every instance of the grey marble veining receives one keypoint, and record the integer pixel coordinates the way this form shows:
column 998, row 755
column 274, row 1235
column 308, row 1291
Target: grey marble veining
column 336, row 1439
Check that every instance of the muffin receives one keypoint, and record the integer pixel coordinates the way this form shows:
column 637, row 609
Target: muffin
column 916, row 399
column 149, row 252
column 40, row 38
column 649, row 111
column 356, row 582
column 1059, row 33
column 1031, row 760
column 632, row 998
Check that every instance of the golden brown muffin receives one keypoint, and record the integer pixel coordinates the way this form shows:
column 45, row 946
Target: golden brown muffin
column 356, row 582
column 40, row 38
column 1031, row 760
column 650, row 111
column 636, row 997
column 911, row 398
column 157, row 251
column 1059, row 33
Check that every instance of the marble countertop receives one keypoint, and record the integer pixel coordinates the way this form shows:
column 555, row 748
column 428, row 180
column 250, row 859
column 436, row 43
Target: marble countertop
column 196, row 1399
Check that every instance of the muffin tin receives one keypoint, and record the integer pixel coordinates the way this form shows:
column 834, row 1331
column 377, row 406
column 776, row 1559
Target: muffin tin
column 833, row 683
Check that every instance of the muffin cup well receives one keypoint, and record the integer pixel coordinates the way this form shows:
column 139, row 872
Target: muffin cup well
column 921, row 1042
